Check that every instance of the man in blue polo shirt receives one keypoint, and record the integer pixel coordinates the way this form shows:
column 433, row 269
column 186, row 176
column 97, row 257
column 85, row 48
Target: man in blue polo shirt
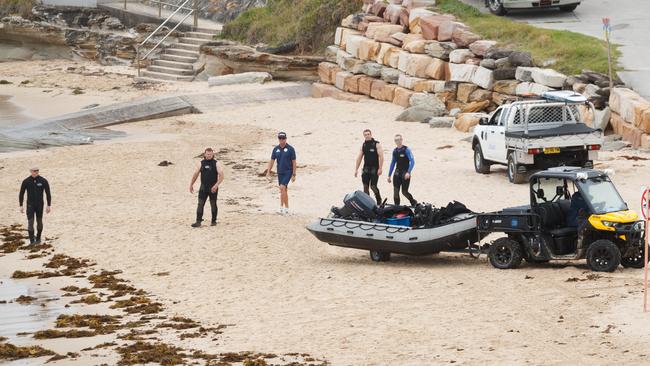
column 285, row 155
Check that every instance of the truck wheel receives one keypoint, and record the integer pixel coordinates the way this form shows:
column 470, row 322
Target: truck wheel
column 480, row 165
column 513, row 171
column 569, row 8
column 635, row 261
column 378, row 256
column 496, row 7
column 505, row 253
column 603, row 256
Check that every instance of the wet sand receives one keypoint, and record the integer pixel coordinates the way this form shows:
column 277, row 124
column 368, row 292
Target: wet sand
column 284, row 291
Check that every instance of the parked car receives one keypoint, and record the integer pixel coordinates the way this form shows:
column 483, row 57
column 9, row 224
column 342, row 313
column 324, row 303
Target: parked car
column 537, row 134
column 501, row 7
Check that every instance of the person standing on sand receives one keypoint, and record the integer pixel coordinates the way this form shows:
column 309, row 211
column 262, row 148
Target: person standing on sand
column 211, row 177
column 373, row 160
column 35, row 186
column 403, row 163
column 286, row 158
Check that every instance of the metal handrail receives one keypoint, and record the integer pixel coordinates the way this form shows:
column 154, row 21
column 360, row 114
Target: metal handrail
column 167, row 35
column 165, row 22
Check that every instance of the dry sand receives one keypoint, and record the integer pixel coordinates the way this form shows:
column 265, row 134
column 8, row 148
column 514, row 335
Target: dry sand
column 283, row 290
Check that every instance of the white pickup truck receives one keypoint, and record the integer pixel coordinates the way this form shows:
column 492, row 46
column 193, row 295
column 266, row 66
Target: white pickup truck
column 501, row 7
column 537, row 134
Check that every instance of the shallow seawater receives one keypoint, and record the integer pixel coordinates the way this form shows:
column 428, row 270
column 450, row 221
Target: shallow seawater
column 10, row 114
column 18, row 318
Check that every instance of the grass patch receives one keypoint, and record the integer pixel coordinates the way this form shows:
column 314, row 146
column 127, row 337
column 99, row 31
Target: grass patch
column 308, row 23
column 572, row 52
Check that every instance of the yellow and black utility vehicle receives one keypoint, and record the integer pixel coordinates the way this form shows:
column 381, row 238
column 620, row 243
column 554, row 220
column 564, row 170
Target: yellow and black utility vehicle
column 574, row 214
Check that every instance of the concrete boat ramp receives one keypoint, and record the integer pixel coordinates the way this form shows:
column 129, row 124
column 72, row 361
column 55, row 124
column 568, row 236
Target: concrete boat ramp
column 84, row 127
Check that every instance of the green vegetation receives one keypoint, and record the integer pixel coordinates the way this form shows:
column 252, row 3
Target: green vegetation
column 16, row 7
column 572, row 52
column 309, row 23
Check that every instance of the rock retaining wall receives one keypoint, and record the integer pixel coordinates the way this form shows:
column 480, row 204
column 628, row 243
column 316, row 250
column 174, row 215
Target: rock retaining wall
column 394, row 51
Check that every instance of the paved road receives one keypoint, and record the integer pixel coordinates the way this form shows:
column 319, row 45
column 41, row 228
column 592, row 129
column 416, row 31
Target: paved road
column 631, row 22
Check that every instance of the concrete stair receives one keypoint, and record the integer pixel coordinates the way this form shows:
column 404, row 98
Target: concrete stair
column 177, row 62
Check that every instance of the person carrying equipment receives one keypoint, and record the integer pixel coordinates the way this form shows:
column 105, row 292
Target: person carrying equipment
column 211, row 177
column 373, row 160
column 35, row 186
column 403, row 163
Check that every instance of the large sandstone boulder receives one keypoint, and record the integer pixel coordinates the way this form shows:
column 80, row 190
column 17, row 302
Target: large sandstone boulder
column 416, row 46
column 417, row 65
column 368, row 49
column 377, row 90
column 340, row 36
column 408, row 82
column 446, row 30
column 463, row 37
column 243, row 78
column 474, row 107
column 460, row 56
column 464, row 91
column 388, row 94
column 440, row 50
column 499, row 99
column 517, row 58
column 372, row 69
column 378, row 31
column 548, row 77
column 390, row 75
column 484, row 78
column 481, row 47
column 465, row 122
column 440, row 122
column 431, row 24
column 504, row 73
column 414, row 114
column 438, row 70
column 327, row 72
column 392, row 13
column 411, row 37
column 462, row 72
column 365, row 85
column 506, row 86
column 351, row 84
column 527, row 88
column 340, row 78
column 403, row 61
column 429, row 101
column 319, row 90
column 631, row 107
column 349, row 63
column 415, row 17
column 524, row 73
column 353, row 43
column 383, row 50
column 402, row 97
column 480, row 95
column 429, row 86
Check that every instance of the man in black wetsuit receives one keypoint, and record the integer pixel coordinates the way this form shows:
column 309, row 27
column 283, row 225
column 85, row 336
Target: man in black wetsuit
column 373, row 160
column 35, row 186
column 211, row 177
column 402, row 163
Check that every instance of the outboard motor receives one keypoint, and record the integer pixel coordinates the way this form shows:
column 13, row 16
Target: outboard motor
column 357, row 204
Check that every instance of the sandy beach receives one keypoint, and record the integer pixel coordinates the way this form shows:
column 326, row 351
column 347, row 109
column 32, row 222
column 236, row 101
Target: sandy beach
column 279, row 288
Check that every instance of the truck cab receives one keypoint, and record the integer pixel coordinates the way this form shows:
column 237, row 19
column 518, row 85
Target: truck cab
column 537, row 134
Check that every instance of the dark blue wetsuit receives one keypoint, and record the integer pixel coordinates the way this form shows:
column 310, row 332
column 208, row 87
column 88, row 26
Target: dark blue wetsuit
column 284, row 156
column 402, row 162
column 578, row 203
column 209, row 177
column 35, row 187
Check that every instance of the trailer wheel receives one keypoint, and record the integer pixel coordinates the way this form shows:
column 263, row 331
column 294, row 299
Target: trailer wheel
column 603, row 256
column 480, row 164
column 514, row 176
column 378, row 256
column 505, row 253
column 634, row 261
column 496, row 7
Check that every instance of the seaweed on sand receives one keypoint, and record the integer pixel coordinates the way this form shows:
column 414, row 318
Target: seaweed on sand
column 37, row 274
column 62, row 357
column 138, row 304
column 108, row 281
column 179, row 323
column 73, row 333
column 10, row 352
column 89, row 300
column 71, row 264
column 102, row 324
column 12, row 238
column 25, row 299
column 142, row 353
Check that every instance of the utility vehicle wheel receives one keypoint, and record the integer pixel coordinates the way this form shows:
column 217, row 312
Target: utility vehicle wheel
column 505, row 253
column 480, row 165
column 378, row 256
column 635, row 261
column 568, row 8
column 496, row 7
column 514, row 176
column 603, row 256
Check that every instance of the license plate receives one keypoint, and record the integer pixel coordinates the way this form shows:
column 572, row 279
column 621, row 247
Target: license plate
column 545, row 3
column 551, row 150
